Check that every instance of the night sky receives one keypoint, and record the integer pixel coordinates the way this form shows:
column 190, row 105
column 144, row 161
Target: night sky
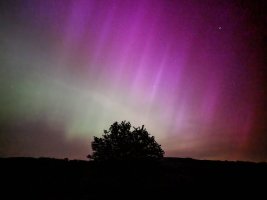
column 193, row 72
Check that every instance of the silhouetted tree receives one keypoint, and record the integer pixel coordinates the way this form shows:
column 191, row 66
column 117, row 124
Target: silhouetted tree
column 122, row 143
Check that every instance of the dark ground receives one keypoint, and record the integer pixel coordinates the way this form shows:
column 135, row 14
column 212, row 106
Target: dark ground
column 46, row 178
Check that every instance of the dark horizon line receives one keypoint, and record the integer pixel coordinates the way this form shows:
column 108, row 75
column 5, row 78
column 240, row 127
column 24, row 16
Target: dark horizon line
column 164, row 158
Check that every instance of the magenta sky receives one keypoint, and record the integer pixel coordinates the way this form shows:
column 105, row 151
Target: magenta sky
column 193, row 72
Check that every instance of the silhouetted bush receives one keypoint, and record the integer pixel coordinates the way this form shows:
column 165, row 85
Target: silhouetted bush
column 122, row 143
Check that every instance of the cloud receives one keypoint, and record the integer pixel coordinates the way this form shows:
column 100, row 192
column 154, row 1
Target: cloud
column 40, row 138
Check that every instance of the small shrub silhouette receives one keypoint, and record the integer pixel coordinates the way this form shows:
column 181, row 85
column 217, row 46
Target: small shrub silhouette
column 122, row 143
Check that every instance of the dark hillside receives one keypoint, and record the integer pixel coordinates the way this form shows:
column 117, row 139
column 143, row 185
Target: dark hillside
column 46, row 178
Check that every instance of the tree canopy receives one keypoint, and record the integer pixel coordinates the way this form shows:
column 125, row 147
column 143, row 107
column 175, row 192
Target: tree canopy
column 121, row 142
